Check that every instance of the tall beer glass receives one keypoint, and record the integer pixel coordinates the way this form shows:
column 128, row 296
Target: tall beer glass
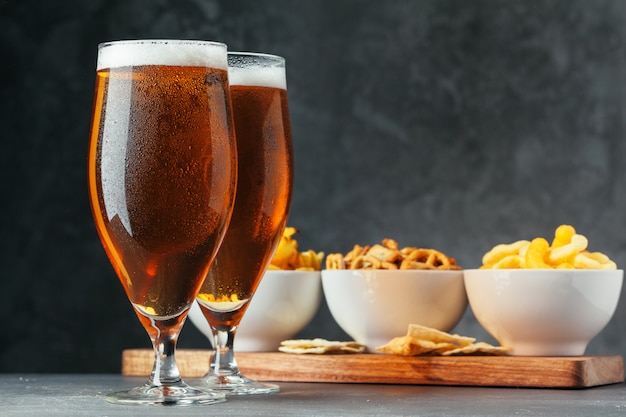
column 264, row 189
column 162, row 178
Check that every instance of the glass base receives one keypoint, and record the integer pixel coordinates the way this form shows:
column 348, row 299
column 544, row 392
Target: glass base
column 235, row 385
column 180, row 394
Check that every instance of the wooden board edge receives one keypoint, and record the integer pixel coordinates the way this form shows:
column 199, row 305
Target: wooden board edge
column 603, row 370
column 523, row 372
column 510, row 371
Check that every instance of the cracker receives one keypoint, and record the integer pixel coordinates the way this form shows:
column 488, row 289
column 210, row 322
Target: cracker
column 319, row 346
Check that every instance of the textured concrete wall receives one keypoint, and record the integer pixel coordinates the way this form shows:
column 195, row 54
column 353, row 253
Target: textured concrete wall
column 447, row 124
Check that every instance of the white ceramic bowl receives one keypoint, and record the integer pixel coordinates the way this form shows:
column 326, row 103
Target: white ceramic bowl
column 374, row 306
column 543, row 312
column 283, row 304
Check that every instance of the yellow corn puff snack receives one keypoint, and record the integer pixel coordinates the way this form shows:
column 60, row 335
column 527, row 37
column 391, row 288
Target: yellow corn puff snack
column 567, row 250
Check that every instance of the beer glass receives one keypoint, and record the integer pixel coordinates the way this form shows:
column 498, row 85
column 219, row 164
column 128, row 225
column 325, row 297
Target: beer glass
column 162, row 178
column 264, row 189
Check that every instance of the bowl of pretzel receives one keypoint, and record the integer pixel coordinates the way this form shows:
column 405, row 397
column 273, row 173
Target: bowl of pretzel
column 545, row 298
column 375, row 292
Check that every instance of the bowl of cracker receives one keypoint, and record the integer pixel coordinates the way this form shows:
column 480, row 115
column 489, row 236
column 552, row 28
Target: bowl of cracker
column 545, row 298
column 285, row 301
column 375, row 292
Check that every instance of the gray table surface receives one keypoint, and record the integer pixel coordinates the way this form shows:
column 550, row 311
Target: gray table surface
column 83, row 395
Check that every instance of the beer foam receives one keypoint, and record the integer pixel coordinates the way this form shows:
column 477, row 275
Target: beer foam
column 258, row 76
column 162, row 52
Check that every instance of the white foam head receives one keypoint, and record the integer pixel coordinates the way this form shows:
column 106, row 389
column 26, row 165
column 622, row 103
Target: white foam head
column 256, row 70
column 162, row 52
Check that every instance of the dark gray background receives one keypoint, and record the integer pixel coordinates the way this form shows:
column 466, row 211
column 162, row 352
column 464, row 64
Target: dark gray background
column 447, row 124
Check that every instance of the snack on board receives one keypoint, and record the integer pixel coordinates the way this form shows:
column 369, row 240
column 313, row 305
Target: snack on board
column 422, row 340
column 287, row 256
column 388, row 256
column 567, row 250
column 319, row 346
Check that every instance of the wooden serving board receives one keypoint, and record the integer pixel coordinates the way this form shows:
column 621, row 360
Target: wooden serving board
column 493, row 371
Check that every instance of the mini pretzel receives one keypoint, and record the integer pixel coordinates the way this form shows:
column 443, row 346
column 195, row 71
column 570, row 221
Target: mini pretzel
column 390, row 244
column 430, row 257
column 407, row 264
column 388, row 256
column 335, row 261
column 388, row 265
column 365, row 262
column 356, row 251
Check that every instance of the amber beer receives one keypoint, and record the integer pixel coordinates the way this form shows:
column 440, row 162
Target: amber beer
column 264, row 189
column 162, row 167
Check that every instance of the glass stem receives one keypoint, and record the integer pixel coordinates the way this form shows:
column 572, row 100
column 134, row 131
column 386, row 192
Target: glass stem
column 165, row 370
column 224, row 363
